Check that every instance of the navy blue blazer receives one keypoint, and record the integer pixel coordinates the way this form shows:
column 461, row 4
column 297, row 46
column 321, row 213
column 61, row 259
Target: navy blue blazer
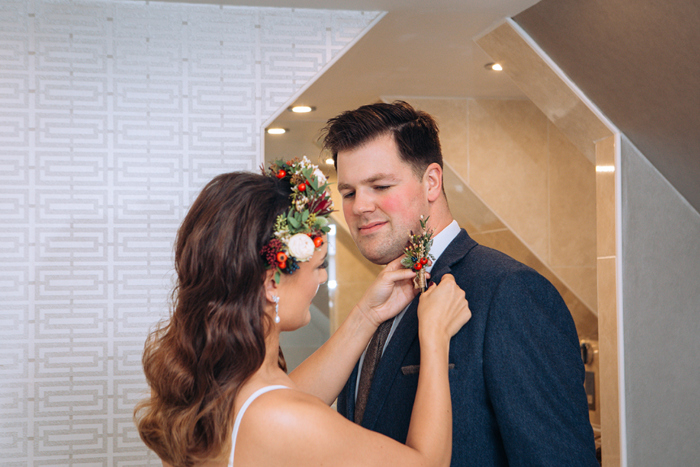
column 516, row 374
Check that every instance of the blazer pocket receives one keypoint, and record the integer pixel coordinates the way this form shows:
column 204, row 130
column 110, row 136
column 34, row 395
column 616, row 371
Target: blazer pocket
column 415, row 369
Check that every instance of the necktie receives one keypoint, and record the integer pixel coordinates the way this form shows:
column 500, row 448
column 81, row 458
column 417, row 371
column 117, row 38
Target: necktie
column 369, row 366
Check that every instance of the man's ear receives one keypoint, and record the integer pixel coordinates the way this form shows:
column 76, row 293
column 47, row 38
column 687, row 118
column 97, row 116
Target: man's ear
column 271, row 286
column 433, row 178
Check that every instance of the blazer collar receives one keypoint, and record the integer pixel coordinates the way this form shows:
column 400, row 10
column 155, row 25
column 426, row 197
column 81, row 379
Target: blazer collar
column 407, row 332
column 455, row 251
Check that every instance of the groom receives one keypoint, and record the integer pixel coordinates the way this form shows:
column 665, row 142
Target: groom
column 516, row 375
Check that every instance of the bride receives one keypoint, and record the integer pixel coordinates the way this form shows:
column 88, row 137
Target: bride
column 249, row 258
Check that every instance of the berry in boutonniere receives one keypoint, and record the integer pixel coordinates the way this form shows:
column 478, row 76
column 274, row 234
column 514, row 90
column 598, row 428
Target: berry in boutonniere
column 418, row 253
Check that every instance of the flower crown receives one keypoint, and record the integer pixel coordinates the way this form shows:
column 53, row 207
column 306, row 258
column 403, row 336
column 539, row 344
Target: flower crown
column 299, row 231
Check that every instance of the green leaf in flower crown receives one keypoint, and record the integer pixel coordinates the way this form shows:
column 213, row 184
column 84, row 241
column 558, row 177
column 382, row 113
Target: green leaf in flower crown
column 313, row 183
column 291, row 220
column 304, row 216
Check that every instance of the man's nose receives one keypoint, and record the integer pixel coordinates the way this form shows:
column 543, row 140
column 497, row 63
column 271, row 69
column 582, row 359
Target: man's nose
column 363, row 203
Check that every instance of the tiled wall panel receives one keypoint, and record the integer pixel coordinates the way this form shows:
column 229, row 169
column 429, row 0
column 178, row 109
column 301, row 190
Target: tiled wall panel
column 113, row 115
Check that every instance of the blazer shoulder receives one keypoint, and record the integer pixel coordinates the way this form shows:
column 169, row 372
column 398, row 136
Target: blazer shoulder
column 491, row 263
column 484, row 271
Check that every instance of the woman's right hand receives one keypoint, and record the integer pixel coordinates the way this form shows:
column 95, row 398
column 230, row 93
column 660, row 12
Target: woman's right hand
column 442, row 310
column 390, row 292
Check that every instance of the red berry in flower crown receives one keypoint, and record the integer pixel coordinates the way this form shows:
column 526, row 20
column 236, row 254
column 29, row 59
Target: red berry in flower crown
column 299, row 230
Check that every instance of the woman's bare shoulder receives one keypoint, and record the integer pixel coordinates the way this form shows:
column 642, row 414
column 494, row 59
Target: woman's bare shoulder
column 286, row 408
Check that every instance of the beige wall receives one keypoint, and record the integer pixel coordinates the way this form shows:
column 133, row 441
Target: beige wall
column 540, row 189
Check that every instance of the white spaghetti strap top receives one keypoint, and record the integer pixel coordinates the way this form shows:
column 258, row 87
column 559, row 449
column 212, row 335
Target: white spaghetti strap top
column 239, row 417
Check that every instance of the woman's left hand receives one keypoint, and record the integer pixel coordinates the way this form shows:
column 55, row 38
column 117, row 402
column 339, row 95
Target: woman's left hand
column 390, row 292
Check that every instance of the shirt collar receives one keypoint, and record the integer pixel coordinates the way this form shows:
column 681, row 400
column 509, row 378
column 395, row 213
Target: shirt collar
column 442, row 240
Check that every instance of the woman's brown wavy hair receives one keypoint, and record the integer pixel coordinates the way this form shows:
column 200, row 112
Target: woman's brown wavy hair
column 196, row 361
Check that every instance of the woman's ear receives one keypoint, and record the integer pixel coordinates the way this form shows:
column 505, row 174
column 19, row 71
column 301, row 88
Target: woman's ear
column 433, row 177
column 271, row 286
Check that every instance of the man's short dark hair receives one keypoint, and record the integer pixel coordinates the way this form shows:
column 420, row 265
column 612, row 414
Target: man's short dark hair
column 415, row 132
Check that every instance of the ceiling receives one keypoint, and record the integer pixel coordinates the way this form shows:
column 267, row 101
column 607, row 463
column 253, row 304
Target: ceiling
column 639, row 62
column 418, row 48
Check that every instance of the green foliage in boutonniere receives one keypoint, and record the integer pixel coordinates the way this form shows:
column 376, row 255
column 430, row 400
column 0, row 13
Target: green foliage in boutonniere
column 418, row 252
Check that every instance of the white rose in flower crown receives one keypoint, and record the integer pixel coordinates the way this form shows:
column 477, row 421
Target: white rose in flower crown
column 319, row 176
column 301, row 247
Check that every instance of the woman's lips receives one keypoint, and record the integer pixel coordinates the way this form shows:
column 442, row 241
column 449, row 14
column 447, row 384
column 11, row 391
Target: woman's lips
column 371, row 228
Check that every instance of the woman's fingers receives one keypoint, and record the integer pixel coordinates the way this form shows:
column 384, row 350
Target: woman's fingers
column 399, row 274
column 443, row 308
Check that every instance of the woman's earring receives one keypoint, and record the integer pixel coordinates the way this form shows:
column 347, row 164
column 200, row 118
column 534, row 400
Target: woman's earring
column 277, row 308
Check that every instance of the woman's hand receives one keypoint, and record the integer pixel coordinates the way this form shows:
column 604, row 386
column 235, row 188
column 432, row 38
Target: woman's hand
column 325, row 372
column 442, row 310
column 390, row 292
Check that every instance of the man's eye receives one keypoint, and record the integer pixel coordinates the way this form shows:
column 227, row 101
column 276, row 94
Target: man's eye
column 382, row 187
column 349, row 194
column 324, row 265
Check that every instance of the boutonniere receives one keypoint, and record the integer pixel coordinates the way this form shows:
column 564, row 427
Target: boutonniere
column 418, row 253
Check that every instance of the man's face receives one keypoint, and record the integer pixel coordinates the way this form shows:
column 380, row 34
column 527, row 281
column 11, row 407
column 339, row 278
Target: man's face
column 382, row 198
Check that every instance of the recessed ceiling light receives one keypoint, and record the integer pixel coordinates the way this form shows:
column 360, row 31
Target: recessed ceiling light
column 493, row 66
column 276, row 131
column 329, row 161
column 301, row 109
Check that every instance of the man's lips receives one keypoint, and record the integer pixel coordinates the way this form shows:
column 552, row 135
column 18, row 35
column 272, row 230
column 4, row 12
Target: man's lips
column 371, row 227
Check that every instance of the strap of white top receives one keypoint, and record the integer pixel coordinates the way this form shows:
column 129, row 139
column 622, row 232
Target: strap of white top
column 239, row 417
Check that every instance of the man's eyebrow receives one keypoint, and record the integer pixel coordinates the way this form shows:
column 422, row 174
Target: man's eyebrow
column 368, row 181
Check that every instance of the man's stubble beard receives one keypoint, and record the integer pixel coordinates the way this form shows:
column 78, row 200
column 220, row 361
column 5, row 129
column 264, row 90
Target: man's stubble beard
column 382, row 257
column 383, row 251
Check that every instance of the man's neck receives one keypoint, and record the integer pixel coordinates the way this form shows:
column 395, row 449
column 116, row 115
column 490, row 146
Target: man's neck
column 441, row 226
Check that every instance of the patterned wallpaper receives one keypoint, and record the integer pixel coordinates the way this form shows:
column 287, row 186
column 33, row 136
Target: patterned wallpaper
column 113, row 114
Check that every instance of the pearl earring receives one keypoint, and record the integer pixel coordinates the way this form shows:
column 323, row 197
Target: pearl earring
column 277, row 308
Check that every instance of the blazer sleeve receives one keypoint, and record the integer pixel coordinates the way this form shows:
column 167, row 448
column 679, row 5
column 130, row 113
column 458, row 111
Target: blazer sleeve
column 534, row 375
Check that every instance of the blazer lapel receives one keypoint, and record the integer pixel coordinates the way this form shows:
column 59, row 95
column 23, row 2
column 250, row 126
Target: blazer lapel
column 346, row 399
column 404, row 336
column 390, row 364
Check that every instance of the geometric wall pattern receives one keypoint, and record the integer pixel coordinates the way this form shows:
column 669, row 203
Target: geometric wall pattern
column 113, row 115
